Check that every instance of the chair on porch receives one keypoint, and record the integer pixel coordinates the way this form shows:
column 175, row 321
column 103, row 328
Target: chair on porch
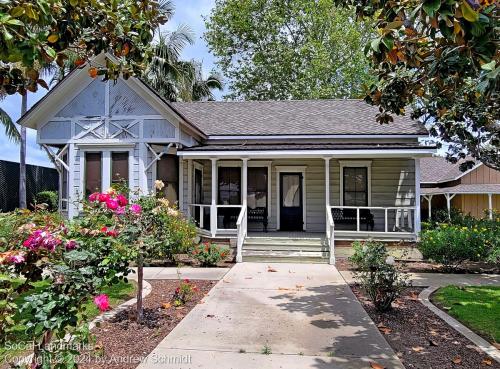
column 259, row 215
column 348, row 216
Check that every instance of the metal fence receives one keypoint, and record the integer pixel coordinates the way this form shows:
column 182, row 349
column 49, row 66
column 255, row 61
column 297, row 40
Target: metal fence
column 37, row 179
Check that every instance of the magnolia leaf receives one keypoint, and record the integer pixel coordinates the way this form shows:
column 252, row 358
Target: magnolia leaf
column 53, row 38
column 376, row 365
column 375, row 44
column 489, row 66
column 42, row 83
column 430, row 7
column 17, row 11
column 457, row 360
column 469, row 14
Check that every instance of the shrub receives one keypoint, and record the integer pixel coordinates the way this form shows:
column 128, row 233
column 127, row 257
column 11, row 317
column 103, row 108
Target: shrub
column 377, row 274
column 51, row 198
column 451, row 245
column 184, row 293
column 209, row 254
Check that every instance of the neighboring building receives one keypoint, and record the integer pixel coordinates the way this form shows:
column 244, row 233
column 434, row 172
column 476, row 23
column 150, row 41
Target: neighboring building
column 444, row 186
column 304, row 168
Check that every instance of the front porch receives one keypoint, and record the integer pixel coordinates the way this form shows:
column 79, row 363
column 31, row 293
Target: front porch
column 288, row 200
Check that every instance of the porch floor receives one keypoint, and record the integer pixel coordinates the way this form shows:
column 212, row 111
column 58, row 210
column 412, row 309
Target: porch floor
column 285, row 234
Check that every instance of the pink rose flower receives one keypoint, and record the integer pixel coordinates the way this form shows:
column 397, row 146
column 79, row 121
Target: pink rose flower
column 93, row 197
column 103, row 197
column 17, row 258
column 112, row 204
column 136, row 208
column 102, row 302
column 122, row 200
column 71, row 245
column 120, row 210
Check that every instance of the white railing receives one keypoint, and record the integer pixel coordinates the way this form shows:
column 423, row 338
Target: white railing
column 199, row 216
column 242, row 227
column 230, row 215
column 376, row 219
column 330, row 234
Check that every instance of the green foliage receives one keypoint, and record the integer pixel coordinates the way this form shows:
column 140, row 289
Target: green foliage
column 184, row 293
column 278, row 50
column 209, row 254
column 8, row 292
column 377, row 273
column 441, row 57
column 50, row 198
column 463, row 238
column 33, row 33
column 478, row 307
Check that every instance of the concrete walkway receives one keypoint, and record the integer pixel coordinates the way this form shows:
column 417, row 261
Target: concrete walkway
column 210, row 274
column 441, row 279
column 304, row 314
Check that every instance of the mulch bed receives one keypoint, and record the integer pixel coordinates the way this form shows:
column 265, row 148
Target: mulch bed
column 421, row 339
column 121, row 343
column 427, row 267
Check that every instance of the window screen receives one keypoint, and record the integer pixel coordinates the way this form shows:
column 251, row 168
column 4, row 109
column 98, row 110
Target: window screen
column 119, row 167
column 167, row 171
column 93, row 173
column 355, row 186
column 229, row 186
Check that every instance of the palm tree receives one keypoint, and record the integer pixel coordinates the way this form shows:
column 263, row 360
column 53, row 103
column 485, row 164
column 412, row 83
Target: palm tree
column 173, row 78
column 10, row 128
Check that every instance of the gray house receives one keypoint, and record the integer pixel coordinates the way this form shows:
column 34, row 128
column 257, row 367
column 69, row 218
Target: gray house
column 278, row 178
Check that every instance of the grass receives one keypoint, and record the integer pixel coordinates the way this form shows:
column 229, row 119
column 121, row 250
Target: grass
column 117, row 294
column 476, row 307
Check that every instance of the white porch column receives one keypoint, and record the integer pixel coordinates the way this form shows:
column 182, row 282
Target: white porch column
column 448, row 203
column 189, row 186
column 213, row 206
column 106, row 170
column 72, row 196
column 181, row 184
column 143, row 177
column 244, row 182
column 417, row 197
column 429, row 201
column 490, row 205
column 327, row 181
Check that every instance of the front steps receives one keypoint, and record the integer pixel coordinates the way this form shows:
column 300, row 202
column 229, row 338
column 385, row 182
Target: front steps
column 285, row 249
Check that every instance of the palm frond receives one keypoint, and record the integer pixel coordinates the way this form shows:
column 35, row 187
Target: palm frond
column 10, row 128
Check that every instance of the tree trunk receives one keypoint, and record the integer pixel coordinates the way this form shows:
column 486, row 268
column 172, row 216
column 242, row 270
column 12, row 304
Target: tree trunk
column 22, row 157
column 140, row 275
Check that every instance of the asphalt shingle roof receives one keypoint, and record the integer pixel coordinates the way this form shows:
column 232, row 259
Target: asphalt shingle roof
column 463, row 188
column 438, row 169
column 293, row 117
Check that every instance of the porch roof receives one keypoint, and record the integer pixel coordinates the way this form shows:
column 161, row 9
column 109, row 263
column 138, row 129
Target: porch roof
column 307, row 150
column 463, row 189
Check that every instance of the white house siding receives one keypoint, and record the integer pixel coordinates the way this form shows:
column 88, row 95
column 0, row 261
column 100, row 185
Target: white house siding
column 392, row 184
column 108, row 116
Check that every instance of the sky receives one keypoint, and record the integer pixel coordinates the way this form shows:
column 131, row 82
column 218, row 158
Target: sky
column 188, row 12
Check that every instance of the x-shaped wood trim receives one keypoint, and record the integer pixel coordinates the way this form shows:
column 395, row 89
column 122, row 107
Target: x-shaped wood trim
column 57, row 157
column 123, row 129
column 91, row 129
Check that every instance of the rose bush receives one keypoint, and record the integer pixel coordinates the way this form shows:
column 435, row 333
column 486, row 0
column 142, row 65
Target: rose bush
column 209, row 254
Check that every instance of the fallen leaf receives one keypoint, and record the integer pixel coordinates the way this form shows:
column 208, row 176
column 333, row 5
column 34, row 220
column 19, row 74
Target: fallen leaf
column 457, row 360
column 433, row 343
column 179, row 308
column 210, row 315
column 418, row 349
column 376, row 365
column 382, row 328
column 166, row 305
column 486, row 362
column 413, row 296
column 272, row 270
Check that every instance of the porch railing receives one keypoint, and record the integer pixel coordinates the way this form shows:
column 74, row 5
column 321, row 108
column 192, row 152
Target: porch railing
column 218, row 218
column 200, row 213
column 242, row 227
column 374, row 219
column 330, row 236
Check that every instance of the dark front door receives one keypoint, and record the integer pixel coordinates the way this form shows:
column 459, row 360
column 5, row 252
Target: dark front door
column 291, row 202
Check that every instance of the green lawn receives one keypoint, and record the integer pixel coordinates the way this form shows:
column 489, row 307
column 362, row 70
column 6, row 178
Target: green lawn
column 476, row 307
column 117, row 293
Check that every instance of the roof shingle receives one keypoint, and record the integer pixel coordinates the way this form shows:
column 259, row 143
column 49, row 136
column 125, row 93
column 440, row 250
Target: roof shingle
column 293, row 117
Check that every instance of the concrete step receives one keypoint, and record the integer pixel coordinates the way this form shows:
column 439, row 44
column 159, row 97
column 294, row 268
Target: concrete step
column 285, row 259
column 284, row 240
column 283, row 247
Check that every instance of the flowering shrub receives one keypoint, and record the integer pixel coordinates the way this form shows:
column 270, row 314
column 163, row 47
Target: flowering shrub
column 209, row 254
column 451, row 245
column 378, row 274
column 184, row 293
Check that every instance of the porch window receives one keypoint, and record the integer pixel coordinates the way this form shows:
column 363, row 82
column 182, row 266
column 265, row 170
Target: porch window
column 355, row 186
column 167, row 171
column 229, row 185
column 119, row 168
column 93, row 172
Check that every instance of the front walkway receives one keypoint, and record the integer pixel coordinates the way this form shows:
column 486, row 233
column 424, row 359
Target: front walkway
column 304, row 314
